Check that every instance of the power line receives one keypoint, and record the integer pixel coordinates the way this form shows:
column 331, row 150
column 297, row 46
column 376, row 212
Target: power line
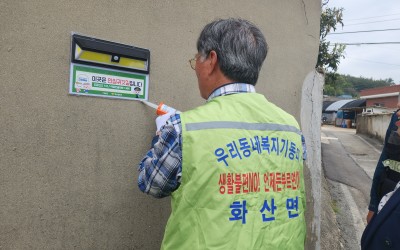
column 373, row 17
column 388, row 20
column 374, row 61
column 362, row 31
column 366, row 43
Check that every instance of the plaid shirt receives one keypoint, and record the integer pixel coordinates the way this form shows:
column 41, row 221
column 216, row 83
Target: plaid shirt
column 160, row 171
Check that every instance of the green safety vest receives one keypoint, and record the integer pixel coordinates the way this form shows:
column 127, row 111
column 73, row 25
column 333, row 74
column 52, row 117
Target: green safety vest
column 242, row 183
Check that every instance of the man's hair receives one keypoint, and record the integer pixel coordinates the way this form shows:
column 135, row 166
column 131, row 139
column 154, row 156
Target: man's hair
column 240, row 46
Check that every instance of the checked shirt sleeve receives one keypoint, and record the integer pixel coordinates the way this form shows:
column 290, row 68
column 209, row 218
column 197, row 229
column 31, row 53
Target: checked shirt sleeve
column 160, row 170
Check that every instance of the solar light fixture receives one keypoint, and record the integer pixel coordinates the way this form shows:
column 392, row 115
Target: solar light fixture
column 108, row 69
column 97, row 52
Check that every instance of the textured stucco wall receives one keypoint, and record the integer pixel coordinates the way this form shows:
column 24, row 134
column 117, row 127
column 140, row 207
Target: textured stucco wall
column 67, row 163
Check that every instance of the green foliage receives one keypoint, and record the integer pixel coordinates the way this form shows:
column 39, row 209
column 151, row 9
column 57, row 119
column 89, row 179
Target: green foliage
column 335, row 207
column 360, row 83
column 337, row 84
column 329, row 56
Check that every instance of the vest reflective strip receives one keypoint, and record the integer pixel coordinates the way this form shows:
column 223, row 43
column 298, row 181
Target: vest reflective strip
column 241, row 125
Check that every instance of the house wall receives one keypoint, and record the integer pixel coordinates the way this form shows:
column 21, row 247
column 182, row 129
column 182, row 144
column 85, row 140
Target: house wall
column 68, row 165
column 388, row 102
column 330, row 117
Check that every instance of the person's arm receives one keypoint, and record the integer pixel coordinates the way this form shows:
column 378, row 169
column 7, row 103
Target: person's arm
column 374, row 201
column 160, row 170
column 373, row 205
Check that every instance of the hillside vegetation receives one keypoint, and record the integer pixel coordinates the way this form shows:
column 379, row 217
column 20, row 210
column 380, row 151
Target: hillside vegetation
column 337, row 84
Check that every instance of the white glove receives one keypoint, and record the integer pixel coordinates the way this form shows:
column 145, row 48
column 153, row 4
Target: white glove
column 162, row 120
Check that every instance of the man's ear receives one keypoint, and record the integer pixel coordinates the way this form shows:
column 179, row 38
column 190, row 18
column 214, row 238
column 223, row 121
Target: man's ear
column 213, row 60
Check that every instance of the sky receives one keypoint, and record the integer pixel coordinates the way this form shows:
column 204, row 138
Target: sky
column 380, row 61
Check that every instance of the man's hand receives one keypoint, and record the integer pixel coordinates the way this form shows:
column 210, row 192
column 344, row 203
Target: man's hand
column 161, row 120
column 369, row 216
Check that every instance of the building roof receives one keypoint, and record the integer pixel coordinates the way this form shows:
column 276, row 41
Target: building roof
column 326, row 104
column 355, row 104
column 337, row 105
column 365, row 93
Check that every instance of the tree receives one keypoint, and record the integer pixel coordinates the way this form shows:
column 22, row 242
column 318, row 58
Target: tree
column 336, row 84
column 360, row 83
column 329, row 58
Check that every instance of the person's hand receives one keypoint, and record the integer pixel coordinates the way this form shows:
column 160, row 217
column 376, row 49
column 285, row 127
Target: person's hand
column 369, row 216
column 161, row 120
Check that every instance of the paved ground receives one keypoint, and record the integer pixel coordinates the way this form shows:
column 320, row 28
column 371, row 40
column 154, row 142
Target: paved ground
column 349, row 161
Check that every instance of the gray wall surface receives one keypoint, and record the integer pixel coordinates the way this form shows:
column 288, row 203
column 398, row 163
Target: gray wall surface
column 374, row 125
column 311, row 111
column 68, row 165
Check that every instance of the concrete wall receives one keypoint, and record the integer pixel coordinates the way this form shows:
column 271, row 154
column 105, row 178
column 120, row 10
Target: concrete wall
column 311, row 111
column 67, row 163
column 374, row 125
